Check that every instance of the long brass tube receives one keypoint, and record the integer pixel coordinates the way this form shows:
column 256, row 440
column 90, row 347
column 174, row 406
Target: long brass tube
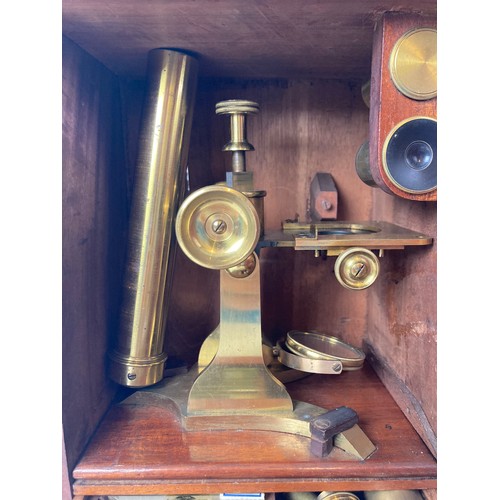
column 138, row 357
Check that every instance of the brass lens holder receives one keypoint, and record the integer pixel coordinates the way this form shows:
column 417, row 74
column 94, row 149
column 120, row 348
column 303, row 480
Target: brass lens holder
column 307, row 364
column 317, row 346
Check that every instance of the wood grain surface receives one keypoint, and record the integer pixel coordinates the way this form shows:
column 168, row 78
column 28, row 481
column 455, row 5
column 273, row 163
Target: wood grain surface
column 402, row 327
column 141, row 448
column 305, row 126
column 93, row 229
column 235, row 38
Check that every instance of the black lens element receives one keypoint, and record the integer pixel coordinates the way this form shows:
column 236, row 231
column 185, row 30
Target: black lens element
column 418, row 155
column 411, row 156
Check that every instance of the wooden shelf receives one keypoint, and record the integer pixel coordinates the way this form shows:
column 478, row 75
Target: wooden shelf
column 141, row 450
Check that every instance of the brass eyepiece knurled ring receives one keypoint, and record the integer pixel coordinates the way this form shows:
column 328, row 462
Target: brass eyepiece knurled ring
column 236, row 106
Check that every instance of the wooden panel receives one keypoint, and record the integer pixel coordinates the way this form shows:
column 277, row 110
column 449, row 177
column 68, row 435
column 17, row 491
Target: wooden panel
column 93, row 229
column 305, row 126
column 388, row 106
column 402, row 329
column 235, row 38
column 141, row 449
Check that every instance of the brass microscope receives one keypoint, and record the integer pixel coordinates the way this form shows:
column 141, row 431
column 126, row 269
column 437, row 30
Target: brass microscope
column 221, row 227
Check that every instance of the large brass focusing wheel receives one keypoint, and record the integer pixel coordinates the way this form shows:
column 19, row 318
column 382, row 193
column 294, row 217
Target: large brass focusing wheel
column 217, row 227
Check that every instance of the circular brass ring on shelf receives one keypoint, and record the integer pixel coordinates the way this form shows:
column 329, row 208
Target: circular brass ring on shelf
column 318, row 346
column 413, row 64
column 356, row 268
column 217, row 227
column 305, row 364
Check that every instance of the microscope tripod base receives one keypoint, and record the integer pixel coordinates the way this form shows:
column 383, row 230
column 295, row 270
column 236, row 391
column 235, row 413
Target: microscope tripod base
column 176, row 391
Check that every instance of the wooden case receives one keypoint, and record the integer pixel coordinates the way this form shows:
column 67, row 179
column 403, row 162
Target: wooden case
column 305, row 66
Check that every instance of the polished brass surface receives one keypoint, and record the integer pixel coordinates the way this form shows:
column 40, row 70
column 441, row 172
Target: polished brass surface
column 282, row 372
column 236, row 106
column 356, row 268
column 355, row 442
column 237, row 380
column 138, row 358
column 237, row 109
column 257, row 199
column 337, row 495
column 239, row 178
column 241, row 181
column 217, row 227
column 362, row 164
column 308, row 364
column 413, row 64
column 210, row 345
column 326, row 235
column 393, row 495
column 243, row 269
column 318, row 346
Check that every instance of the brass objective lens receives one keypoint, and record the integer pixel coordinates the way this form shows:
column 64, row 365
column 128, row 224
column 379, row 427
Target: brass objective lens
column 138, row 358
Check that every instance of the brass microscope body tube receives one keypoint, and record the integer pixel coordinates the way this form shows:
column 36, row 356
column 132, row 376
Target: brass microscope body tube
column 138, row 357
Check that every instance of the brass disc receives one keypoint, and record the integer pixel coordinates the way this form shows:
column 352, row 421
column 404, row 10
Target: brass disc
column 217, row 227
column 413, row 64
column 356, row 268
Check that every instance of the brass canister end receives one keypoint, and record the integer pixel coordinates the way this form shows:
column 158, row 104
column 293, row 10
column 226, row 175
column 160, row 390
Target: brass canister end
column 133, row 372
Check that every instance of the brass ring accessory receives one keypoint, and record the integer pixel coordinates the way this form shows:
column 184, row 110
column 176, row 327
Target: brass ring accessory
column 217, row 227
column 318, row 346
column 413, row 64
column 356, row 268
column 306, row 364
